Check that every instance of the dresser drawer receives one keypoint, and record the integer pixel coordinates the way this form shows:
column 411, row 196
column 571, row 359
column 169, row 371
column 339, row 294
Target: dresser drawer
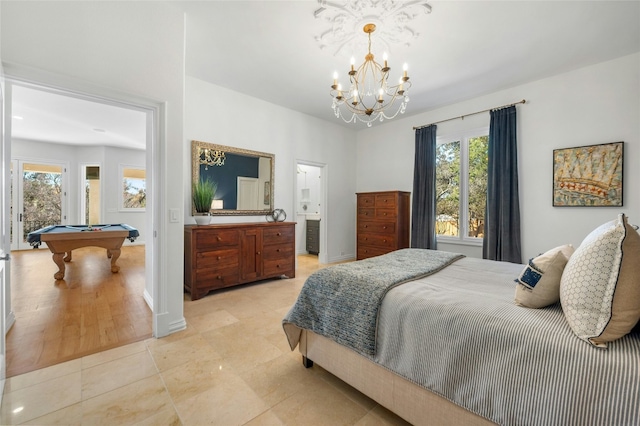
column 217, row 259
column 313, row 247
column 368, row 227
column 369, row 251
column 278, row 235
column 365, row 214
column 217, row 238
column 386, row 201
column 277, row 267
column 366, row 200
column 385, row 241
column 277, row 252
column 386, row 214
column 217, row 278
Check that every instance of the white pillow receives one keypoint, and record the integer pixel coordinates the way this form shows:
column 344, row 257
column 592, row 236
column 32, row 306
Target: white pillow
column 539, row 282
column 600, row 286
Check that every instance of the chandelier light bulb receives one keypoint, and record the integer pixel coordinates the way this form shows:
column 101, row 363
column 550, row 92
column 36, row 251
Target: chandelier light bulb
column 385, row 57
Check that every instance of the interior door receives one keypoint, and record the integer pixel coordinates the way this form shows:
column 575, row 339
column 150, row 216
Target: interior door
column 247, row 193
column 39, row 198
column 5, row 229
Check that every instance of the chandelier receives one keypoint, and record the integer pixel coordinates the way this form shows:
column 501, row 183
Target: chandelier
column 211, row 157
column 370, row 97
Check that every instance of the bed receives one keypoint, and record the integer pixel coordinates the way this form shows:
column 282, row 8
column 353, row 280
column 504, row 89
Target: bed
column 448, row 345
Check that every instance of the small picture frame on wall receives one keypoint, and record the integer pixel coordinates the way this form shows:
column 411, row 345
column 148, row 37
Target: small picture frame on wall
column 588, row 176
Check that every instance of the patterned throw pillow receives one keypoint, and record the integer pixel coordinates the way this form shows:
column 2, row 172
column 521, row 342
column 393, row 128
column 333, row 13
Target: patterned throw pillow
column 539, row 282
column 600, row 286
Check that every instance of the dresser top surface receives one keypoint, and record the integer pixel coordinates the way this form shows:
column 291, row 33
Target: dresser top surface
column 238, row 225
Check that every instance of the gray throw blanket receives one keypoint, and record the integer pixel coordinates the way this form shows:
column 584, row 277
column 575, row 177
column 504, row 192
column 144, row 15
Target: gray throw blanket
column 341, row 302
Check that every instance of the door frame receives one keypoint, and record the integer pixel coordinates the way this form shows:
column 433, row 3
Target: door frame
column 155, row 293
column 6, row 316
column 324, row 223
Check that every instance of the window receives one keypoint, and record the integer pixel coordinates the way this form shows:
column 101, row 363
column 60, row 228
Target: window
column 134, row 194
column 461, row 186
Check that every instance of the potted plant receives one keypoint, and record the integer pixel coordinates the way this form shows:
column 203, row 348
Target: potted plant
column 202, row 193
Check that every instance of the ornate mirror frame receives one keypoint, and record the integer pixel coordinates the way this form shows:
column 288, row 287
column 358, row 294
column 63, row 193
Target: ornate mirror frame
column 216, row 155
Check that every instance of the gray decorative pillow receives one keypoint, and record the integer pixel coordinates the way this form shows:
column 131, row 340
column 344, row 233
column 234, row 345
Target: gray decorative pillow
column 600, row 286
column 539, row 282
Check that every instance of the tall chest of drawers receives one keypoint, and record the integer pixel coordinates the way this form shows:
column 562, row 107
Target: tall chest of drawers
column 218, row 256
column 382, row 222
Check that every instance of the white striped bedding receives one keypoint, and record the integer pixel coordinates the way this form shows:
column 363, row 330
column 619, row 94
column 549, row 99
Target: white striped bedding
column 459, row 334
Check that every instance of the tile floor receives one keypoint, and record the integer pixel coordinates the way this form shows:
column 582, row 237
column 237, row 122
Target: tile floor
column 231, row 366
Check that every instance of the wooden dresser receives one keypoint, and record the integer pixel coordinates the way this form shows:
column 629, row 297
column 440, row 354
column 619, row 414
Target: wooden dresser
column 382, row 222
column 217, row 256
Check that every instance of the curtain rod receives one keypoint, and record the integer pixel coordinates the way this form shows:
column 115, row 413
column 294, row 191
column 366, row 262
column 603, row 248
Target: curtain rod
column 466, row 115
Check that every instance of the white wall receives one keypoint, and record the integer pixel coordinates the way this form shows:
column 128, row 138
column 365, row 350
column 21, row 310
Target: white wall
column 131, row 52
column 217, row 115
column 109, row 159
column 592, row 105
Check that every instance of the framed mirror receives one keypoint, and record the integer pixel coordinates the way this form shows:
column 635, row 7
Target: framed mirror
column 244, row 178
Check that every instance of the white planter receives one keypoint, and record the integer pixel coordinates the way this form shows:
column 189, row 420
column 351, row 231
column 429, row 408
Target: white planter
column 202, row 219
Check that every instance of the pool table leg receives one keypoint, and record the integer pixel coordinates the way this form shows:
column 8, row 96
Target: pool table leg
column 58, row 259
column 114, row 254
column 67, row 258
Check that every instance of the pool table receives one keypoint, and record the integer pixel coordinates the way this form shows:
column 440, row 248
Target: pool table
column 62, row 239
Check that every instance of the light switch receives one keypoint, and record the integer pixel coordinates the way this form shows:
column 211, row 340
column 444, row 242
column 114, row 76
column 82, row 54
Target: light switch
column 173, row 215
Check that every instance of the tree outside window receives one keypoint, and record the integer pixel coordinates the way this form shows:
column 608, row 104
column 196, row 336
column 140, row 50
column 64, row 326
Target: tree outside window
column 461, row 187
column 42, row 200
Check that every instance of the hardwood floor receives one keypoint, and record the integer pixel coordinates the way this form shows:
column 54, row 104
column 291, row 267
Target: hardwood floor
column 90, row 311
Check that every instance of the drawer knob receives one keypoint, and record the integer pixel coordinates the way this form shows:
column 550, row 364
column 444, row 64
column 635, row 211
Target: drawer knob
column 258, row 253
column 219, row 239
column 219, row 277
column 384, row 214
column 219, row 258
column 278, row 250
column 366, row 226
column 279, row 234
column 384, row 227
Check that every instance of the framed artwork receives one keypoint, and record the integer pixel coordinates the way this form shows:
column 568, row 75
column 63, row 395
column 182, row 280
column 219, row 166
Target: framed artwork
column 588, row 176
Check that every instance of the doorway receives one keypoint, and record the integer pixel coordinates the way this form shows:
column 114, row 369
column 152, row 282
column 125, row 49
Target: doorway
column 311, row 209
column 91, row 202
column 38, row 198
column 83, row 200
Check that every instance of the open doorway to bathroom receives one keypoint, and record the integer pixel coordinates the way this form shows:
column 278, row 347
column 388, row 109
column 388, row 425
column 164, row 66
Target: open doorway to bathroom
column 310, row 210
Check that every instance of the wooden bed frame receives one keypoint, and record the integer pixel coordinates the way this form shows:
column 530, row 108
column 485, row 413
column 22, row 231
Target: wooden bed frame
column 411, row 402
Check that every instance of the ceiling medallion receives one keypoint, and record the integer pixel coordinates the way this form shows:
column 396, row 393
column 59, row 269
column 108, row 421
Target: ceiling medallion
column 391, row 18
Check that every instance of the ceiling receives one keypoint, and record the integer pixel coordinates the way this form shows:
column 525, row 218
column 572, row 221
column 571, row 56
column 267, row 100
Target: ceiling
column 269, row 50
